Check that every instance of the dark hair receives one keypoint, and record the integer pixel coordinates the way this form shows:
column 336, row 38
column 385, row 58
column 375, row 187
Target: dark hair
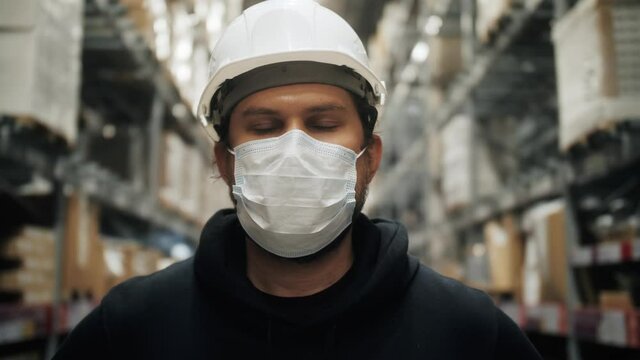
column 367, row 113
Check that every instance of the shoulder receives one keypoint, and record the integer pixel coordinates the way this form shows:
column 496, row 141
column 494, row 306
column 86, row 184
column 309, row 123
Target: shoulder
column 461, row 309
column 447, row 309
column 448, row 293
column 161, row 290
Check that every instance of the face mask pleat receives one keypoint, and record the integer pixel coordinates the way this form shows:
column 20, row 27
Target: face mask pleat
column 295, row 193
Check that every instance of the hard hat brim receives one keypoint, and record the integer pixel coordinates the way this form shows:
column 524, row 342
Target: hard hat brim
column 238, row 67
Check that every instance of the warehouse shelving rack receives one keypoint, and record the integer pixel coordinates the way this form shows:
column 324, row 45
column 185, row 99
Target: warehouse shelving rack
column 461, row 90
column 119, row 58
column 491, row 73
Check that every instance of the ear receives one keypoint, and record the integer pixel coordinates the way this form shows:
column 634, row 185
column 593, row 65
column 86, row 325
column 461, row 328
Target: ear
column 374, row 151
column 223, row 162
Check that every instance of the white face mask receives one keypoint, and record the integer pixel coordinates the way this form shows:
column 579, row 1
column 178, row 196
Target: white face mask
column 294, row 194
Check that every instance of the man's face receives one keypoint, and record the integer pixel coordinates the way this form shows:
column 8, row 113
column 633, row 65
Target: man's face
column 324, row 112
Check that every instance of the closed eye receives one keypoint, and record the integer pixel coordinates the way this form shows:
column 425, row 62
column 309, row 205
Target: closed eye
column 264, row 126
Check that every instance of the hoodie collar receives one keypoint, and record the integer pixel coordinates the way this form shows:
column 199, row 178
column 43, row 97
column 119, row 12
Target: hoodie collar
column 381, row 271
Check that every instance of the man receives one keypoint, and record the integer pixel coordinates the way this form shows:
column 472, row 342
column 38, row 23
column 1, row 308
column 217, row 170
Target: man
column 295, row 271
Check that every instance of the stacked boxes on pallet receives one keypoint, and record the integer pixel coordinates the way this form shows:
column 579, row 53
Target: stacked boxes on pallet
column 40, row 45
column 185, row 185
column 83, row 259
column 32, row 280
column 489, row 15
column 598, row 67
column 462, row 152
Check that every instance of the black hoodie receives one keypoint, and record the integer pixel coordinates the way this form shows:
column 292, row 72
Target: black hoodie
column 387, row 306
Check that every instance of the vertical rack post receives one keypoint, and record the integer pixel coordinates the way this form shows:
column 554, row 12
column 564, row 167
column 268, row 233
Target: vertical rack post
column 155, row 134
column 573, row 301
column 59, row 237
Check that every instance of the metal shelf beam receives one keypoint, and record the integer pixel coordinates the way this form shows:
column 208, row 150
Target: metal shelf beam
column 457, row 96
column 160, row 77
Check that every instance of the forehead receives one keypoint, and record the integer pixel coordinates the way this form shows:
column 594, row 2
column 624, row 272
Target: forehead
column 296, row 97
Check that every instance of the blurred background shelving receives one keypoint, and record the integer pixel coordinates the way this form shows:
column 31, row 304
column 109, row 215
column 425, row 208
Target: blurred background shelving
column 512, row 149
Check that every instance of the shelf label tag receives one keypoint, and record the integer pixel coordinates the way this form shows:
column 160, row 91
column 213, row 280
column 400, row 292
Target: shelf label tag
column 582, row 256
column 609, row 253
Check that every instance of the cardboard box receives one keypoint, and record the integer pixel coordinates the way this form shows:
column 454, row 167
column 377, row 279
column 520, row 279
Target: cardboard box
column 83, row 260
column 545, row 266
column 504, row 247
column 489, row 14
column 30, row 241
column 616, row 300
column 445, row 58
column 49, row 44
column 164, row 262
column 215, row 193
column 18, row 15
column 193, row 180
column 597, row 66
column 467, row 171
column 144, row 261
column 172, row 169
column 612, row 328
column 118, row 255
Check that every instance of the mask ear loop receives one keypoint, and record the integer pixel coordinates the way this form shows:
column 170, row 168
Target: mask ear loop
column 231, row 152
column 361, row 152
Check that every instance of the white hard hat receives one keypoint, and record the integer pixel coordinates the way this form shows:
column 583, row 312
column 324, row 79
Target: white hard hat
column 279, row 32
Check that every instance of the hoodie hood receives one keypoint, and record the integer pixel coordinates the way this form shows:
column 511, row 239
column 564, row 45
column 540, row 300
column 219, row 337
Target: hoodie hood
column 381, row 271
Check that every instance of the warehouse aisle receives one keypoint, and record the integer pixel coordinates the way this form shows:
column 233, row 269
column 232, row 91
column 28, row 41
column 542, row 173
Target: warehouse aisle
column 511, row 138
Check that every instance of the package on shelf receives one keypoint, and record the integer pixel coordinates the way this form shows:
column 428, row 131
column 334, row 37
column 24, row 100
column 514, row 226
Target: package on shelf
column 380, row 59
column 476, row 265
column 29, row 241
column 434, row 151
column 161, row 28
column 142, row 17
column 385, row 46
column 612, row 328
column 39, row 41
column 489, row 15
column 437, row 6
column 616, row 299
column 25, row 278
column 33, row 247
column 183, row 175
column 172, row 169
column 548, row 318
column 194, row 180
column 144, row 261
column 118, row 255
column 199, row 73
column 83, row 259
column 545, row 262
column 436, row 96
column 504, row 248
column 215, row 195
column 164, row 262
column 597, row 66
column 445, row 58
column 466, row 165
column 619, row 322
column 182, row 50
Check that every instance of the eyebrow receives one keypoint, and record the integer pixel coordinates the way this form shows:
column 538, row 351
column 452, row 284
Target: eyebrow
column 326, row 107
column 257, row 111
column 261, row 111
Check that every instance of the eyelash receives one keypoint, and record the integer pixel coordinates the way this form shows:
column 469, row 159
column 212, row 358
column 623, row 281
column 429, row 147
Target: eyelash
column 272, row 126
